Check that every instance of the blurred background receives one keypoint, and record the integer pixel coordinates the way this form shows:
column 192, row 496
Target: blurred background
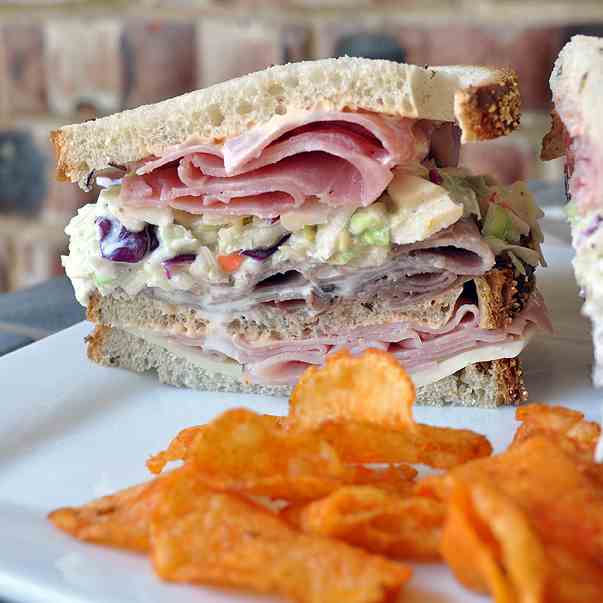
column 63, row 62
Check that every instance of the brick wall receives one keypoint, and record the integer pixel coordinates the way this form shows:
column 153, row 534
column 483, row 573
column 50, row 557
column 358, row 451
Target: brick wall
column 63, row 62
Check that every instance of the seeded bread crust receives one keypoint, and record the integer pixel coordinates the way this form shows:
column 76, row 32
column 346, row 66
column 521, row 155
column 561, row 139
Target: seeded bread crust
column 553, row 143
column 485, row 384
column 484, row 101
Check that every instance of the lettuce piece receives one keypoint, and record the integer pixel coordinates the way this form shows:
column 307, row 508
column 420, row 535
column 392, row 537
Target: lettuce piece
column 461, row 191
column 377, row 236
column 368, row 218
column 498, row 224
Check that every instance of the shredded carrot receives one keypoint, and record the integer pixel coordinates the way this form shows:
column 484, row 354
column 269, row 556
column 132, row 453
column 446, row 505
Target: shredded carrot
column 230, row 263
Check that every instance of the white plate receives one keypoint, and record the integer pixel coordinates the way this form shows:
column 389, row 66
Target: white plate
column 71, row 431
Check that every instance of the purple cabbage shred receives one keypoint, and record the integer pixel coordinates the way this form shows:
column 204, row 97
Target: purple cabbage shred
column 592, row 227
column 262, row 253
column 184, row 258
column 435, row 176
column 119, row 244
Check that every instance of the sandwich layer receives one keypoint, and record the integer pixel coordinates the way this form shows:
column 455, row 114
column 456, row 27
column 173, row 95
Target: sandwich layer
column 429, row 346
column 266, row 321
column 485, row 102
column 485, row 384
column 500, row 296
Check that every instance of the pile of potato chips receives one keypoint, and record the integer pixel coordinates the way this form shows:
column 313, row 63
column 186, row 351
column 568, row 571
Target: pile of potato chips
column 287, row 505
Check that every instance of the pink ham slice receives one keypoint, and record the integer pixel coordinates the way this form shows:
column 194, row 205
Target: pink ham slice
column 339, row 158
column 418, row 347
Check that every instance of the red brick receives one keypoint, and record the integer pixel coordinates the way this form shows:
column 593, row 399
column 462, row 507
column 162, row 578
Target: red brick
column 37, row 253
column 507, row 160
column 159, row 60
column 22, row 71
column 64, row 199
column 83, row 62
column 229, row 48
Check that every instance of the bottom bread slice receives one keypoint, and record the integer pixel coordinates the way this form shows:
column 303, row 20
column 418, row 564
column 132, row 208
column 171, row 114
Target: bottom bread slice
column 485, row 384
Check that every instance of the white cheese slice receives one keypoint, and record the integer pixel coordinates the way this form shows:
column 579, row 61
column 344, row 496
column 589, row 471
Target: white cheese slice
column 444, row 368
column 496, row 351
column 225, row 366
column 420, row 208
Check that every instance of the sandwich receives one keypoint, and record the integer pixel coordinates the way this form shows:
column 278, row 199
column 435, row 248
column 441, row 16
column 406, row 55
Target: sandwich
column 577, row 133
column 248, row 230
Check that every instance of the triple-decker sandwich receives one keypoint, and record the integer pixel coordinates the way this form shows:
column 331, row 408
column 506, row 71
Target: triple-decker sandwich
column 248, row 230
column 577, row 133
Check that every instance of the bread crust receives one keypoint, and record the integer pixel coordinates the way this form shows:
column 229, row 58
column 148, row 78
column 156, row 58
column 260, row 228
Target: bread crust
column 489, row 111
column 554, row 141
column 483, row 100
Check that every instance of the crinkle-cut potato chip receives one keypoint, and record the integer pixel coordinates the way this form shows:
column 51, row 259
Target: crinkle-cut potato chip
column 439, row 447
column 560, row 498
column 119, row 520
column 180, row 448
column 490, row 546
column 220, row 539
column 396, row 479
column 364, row 516
column 568, row 428
column 557, row 423
column 251, row 454
column 372, row 387
column 242, row 451
column 176, row 451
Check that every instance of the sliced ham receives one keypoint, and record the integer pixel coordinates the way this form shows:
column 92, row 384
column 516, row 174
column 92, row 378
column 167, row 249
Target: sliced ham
column 339, row 158
column 394, row 134
column 417, row 346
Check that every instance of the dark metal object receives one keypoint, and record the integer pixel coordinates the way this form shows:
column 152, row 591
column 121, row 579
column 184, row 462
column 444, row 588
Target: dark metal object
column 370, row 46
column 23, row 177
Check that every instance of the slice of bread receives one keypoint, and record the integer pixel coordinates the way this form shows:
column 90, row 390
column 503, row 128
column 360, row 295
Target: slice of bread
column 266, row 321
column 485, row 384
column 484, row 101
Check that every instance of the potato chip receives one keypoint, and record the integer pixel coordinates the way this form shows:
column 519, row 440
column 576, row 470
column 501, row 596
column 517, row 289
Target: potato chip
column 559, row 498
column 557, row 422
column 396, row 479
column 439, row 447
column 220, row 539
column 120, row 520
column 372, row 387
column 489, row 544
column 403, row 528
column 244, row 452
column 176, row 451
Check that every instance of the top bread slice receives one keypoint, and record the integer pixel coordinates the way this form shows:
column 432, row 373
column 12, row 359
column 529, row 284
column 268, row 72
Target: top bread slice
column 577, row 85
column 485, row 102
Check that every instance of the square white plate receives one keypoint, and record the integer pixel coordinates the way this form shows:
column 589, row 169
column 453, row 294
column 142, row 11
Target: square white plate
column 71, row 431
